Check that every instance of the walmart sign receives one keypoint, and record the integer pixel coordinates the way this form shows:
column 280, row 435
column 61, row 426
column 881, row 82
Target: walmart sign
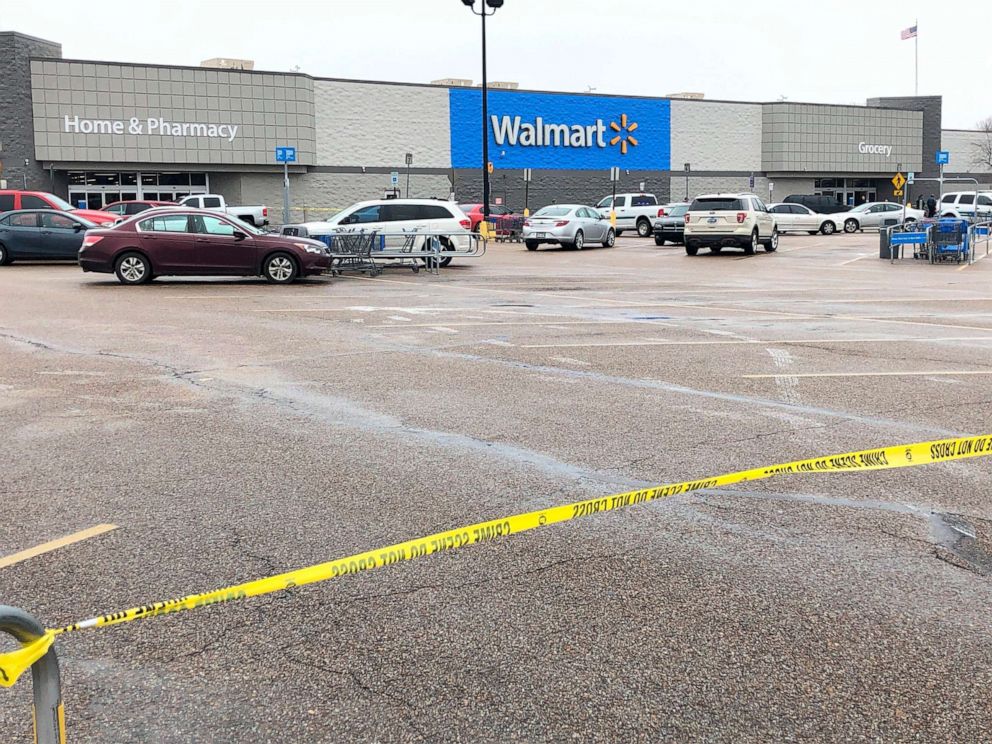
column 561, row 131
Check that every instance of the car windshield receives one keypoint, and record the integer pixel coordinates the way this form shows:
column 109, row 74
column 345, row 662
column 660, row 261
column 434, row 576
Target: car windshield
column 862, row 207
column 725, row 203
column 552, row 212
column 60, row 203
column 242, row 225
column 605, row 202
column 677, row 211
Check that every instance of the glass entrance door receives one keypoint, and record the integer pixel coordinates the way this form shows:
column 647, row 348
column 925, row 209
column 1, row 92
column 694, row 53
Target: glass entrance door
column 95, row 190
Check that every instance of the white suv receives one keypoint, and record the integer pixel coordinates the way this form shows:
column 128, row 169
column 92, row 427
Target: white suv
column 962, row 204
column 716, row 221
column 395, row 217
column 634, row 212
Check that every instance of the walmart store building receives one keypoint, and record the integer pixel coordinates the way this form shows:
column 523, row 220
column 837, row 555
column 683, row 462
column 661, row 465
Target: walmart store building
column 96, row 132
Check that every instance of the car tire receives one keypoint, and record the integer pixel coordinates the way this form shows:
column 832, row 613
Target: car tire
column 579, row 242
column 446, row 245
column 771, row 245
column 133, row 268
column 280, row 268
column 828, row 228
column 5, row 259
column 812, row 232
column 643, row 228
column 691, row 250
column 611, row 239
column 531, row 245
column 752, row 246
column 851, row 226
column 659, row 241
column 619, row 233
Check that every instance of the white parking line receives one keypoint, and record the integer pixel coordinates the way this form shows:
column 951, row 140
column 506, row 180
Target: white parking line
column 751, row 342
column 845, row 263
column 906, row 373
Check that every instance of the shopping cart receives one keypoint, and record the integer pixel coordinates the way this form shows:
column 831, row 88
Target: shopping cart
column 351, row 251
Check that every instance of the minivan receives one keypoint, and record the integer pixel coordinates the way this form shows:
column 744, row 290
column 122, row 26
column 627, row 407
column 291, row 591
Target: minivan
column 819, row 203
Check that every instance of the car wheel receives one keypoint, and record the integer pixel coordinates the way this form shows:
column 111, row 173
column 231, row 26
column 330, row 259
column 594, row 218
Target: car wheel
column 850, row 226
column 133, row 268
column 751, row 247
column 771, row 245
column 531, row 245
column 279, row 268
column 643, row 228
column 619, row 233
column 611, row 239
column 4, row 256
column 828, row 228
column 579, row 242
column 691, row 250
column 659, row 241
column 446, row 245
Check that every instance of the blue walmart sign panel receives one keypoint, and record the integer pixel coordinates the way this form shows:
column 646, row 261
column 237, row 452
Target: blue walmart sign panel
column 561, row 131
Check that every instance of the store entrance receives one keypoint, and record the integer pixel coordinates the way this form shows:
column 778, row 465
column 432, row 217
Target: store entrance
column 847, row 191
column 97, row 189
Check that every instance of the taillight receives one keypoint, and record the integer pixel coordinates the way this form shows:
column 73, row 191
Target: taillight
column 687, row 219
column 741, row 216
column 561, row 223
column 661, row 212
column 265, row 211
column 465, row 223
column 91, row 240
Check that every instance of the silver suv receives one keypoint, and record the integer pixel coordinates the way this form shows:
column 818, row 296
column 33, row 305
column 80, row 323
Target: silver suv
column 716, row 221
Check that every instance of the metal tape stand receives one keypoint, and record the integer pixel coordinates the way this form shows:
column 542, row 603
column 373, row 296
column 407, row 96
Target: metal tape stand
column 49, row 718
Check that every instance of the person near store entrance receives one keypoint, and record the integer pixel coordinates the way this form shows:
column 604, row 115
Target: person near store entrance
column 931, row 206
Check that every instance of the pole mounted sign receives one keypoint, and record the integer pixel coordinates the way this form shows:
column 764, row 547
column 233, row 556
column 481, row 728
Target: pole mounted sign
column 285, row 154
column 943, row 157
column 898, row 181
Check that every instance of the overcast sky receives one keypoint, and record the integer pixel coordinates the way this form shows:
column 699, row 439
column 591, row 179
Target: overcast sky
column 832, row 51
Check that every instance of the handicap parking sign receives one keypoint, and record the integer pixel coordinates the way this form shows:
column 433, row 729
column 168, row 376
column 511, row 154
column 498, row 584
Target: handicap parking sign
column 285, row 154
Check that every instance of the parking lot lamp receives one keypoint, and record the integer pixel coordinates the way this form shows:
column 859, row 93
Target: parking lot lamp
column 493, row 5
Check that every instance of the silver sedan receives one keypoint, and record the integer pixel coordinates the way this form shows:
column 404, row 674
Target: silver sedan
column 569, row 225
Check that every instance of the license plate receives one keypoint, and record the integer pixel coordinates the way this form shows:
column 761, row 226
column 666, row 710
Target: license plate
column 711, row 220
column 540, row 235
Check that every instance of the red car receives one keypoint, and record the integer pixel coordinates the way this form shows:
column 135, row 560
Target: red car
column 128, row 208
column 498, row 214
column 192, row 242
column 16, row 199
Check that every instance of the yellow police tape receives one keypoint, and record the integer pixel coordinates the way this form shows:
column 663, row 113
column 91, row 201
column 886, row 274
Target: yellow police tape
column 898, row 456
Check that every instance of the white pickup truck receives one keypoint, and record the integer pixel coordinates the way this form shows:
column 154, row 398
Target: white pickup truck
column 256, row 216
column 634, row 212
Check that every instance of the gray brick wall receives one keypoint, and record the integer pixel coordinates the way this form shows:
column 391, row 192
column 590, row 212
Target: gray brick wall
column 558, row 186
column 814, row 138
column 932, row 109
column 703, row 184
column 377, row 124
column 269, row 110
column 716, row 136
column 16, row 131
column 965, row 154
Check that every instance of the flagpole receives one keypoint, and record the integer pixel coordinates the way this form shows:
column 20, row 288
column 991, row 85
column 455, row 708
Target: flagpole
column 916, row 56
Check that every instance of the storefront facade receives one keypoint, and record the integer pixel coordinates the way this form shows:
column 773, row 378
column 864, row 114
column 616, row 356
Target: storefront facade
column 97, row 132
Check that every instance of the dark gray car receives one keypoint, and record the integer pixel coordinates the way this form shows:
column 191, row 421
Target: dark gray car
column 41, row 234
column 671, row 226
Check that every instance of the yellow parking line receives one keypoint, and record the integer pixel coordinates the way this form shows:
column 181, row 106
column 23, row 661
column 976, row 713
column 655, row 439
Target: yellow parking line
column 906, row 373
column 61, row 542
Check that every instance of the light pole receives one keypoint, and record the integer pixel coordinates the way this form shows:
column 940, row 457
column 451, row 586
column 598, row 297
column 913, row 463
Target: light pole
column 494, row 5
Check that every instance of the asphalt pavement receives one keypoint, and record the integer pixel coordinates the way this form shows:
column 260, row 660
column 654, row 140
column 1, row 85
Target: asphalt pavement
column 230, row 430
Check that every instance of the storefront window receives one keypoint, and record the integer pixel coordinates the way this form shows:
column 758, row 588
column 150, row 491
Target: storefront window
column 129, row 179
column 173, row 179
column 198, row 179
column 104, row 179
column 149, row 179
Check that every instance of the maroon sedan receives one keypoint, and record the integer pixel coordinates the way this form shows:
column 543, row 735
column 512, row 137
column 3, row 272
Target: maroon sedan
column 174, row 241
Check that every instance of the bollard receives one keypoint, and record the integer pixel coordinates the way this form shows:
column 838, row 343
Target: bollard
column 49, row 717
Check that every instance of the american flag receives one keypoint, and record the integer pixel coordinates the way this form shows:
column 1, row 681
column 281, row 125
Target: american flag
column 907, row 33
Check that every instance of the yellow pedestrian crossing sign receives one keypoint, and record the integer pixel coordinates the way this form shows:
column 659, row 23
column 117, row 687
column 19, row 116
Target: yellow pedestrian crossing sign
column 898, row 180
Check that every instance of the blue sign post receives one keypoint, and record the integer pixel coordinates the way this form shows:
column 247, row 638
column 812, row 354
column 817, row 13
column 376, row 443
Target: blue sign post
column 285, row 155
column 943, row 157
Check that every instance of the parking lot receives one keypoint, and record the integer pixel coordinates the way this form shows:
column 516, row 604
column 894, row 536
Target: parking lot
column 230, row 430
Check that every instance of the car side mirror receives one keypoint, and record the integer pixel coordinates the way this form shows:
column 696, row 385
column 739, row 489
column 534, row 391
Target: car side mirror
column 238, row 235
column 78, row 227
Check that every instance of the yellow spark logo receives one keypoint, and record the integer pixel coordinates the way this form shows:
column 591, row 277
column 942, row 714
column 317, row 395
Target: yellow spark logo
column 623, row 130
